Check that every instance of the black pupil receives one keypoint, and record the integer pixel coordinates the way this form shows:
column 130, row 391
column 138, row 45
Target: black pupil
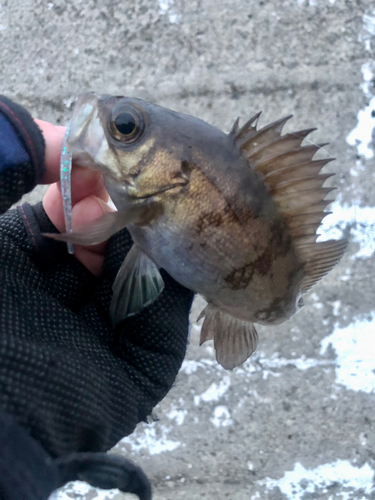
column 125, row 123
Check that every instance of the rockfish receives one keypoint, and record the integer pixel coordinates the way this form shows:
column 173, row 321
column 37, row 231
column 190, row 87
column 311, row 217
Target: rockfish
column 232, row 217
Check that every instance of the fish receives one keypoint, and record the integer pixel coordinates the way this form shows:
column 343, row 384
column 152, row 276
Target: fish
column 231, row 216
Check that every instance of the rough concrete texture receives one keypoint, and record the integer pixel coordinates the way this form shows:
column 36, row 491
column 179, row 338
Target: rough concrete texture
column 297, row 420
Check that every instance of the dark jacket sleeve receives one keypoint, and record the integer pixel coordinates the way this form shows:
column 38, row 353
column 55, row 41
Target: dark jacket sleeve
column 68, row 377
column 21, row 153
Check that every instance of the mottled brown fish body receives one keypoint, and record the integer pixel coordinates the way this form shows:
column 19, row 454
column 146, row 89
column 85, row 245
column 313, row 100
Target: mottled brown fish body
column 230, row 216
column 242, row 261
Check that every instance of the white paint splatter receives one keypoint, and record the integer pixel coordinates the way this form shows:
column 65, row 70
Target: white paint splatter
column 302, row 363
column 166, row 7
column 336, row 305
column 69, row 101
column 347, row 276
column 361, row 220
column 151, row 437
column 221, row 417
column 177, row 415
column 190, row 366
column 259, row 399
column 362, row 439
column 273, row 366
column 361, row 135
column 312, row 3
column 355, row 349
column 174, row 18
column 369, row 23
column 318, row 305
column 250, row 466
column 368, row 32
column 80, row 491
column 296, row 483
column 214, row 392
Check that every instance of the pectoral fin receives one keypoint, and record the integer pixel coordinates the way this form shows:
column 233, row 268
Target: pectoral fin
column 234, row 339
column 138, row 283
column 107, row 225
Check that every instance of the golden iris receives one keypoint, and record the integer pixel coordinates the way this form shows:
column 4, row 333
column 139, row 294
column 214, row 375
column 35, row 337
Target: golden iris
column 126, row 125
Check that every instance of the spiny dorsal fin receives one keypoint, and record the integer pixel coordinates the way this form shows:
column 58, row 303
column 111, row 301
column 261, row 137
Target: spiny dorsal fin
column 247, row 129
column 284, row 144
column 263, row 136
column 296, row 185
column 290, row 186
column 270, row 162
column 296, row 171
column 235, row 127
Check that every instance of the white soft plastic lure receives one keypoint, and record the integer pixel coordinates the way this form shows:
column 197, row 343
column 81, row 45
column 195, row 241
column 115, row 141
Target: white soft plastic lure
column 66, row 190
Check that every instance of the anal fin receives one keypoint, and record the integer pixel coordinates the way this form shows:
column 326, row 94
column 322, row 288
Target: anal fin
column 234, row 339
column 138, row 283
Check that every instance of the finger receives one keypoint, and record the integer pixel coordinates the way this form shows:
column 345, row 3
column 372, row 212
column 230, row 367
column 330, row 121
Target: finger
column 85, row 211
column 53, row 206
column 53, row 136
column 85, row 182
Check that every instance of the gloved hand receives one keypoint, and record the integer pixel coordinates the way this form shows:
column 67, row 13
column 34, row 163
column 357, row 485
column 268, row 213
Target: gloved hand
column 69, row 378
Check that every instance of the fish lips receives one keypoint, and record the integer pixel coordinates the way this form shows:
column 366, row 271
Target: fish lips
column 83, row 113
column 86, row 135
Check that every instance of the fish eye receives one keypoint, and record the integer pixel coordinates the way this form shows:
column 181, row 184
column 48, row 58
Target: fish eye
column 126, row 125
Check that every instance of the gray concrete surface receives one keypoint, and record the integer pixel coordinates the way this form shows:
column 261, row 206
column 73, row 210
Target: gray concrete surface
column 297, row 420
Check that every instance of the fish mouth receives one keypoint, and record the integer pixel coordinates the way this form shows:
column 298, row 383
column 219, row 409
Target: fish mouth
column 86, row 133
column 82, row 116
column 82, row 113
column 159, row 191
